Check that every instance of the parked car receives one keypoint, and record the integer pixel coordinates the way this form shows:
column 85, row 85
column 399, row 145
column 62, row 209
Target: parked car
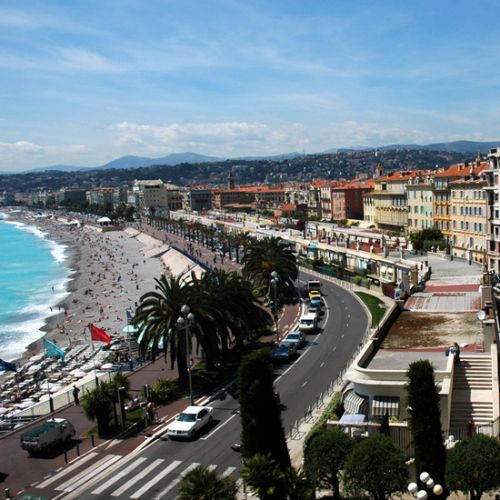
column 284, row 351
column 44, row 437
column 296, row 336
column 308, row 322
column 190, row 421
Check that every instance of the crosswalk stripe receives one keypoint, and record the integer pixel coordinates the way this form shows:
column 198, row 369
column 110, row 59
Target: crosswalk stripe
column 118, row 476
column 93, row 470
column 66, row 471
column 158, row 477
column 212, row 467
column 228, row 471
column 176, row 481
column 137, row 477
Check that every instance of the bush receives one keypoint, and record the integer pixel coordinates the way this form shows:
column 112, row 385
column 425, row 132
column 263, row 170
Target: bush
column 367, row 282
column 357, row 280
column 163, row 391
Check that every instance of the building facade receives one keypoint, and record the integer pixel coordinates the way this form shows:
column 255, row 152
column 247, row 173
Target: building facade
column 469, row 209
column 420, row 199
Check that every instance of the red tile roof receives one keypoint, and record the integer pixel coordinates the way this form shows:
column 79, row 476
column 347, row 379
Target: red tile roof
column 402, row 175
column 462, row 170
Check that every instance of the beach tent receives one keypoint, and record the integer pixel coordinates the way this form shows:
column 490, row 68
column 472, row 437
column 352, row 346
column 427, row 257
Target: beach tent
column 104, row 221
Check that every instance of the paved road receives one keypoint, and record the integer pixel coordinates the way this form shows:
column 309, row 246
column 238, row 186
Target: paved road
column 156, row 470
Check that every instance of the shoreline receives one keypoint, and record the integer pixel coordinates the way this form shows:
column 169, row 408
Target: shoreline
column 107, row 274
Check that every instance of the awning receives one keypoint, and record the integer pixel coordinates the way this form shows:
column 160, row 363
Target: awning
column 382, row 405
column 354, row 403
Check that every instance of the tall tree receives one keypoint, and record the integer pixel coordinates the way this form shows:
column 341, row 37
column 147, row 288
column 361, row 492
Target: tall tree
column 473, row 466
column 425, row 420
column 261, row 427
column 375, row 466
column 204, row 484
column 324, row 456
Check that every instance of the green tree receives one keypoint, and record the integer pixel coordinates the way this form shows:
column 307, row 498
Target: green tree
column 473, row 466
column 425, row 420
column 202, row 483
column 265, row 256
column 97, row 405
column 324, row 456
column 265, row 477
column 261, row 427
column 375, row 466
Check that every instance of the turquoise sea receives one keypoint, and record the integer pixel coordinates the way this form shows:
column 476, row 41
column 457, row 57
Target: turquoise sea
column 33, row 278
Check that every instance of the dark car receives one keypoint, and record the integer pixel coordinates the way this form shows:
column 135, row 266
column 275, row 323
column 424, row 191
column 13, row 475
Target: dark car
column 284, row 351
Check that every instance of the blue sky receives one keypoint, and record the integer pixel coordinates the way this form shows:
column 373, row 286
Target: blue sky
column 82, row 82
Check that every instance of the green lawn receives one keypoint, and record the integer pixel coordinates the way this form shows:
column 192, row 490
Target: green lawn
column 376, row 306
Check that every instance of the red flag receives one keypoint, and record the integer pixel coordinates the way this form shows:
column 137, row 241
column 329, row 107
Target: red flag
column 99, row 335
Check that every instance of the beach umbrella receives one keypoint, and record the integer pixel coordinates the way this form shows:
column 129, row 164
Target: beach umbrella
column 36, row 358
column 3, row 410
column 130, row 329
column 107, row 366
column 78, row 374
column 34, row 368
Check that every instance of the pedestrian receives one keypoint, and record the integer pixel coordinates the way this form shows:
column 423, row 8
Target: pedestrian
column 76, row 391
column 456, row 348
column 150, row 408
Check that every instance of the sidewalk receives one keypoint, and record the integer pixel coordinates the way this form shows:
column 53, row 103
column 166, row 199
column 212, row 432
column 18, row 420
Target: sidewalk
column 22, row 471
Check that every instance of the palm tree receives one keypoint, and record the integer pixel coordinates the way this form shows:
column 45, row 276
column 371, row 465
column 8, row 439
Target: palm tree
column 265, row 256
column 97, row 405
column 158, row 312
column 204, row 484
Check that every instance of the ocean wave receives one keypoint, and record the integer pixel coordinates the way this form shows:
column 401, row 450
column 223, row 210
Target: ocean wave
column 23, row 326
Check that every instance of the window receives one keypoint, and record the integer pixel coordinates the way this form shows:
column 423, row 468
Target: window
column 454, row 210
column 454, row 224
column 461, row 224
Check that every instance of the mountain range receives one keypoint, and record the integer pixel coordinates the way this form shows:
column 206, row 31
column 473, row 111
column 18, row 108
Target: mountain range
column 131, row 161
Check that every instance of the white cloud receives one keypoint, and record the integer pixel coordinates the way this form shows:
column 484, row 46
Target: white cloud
column 20, row 147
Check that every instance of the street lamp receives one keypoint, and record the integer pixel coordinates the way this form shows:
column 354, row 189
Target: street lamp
column 426, row 479
column 274, row 284
column 183, row 323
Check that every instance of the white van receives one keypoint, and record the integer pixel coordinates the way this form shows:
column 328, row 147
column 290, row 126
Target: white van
column 308, row 322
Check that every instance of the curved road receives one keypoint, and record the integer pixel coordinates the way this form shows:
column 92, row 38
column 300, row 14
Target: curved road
column 155, row 472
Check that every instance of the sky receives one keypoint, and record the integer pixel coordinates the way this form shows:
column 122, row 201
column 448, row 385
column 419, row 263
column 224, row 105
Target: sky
column 84, row 82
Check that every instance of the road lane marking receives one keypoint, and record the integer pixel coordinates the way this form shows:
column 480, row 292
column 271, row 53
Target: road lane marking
column 228, row 471
column 89, row 472
column 145, row 487
column 66, row 471
column 322, row 364
column 176, row 481
column 304, row 384
column 204, row 438
column 118, row 476
column 138, row 477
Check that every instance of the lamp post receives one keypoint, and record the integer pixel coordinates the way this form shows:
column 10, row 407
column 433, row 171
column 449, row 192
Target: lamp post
column 425, row 478
column 183, row 323
column 274, row 309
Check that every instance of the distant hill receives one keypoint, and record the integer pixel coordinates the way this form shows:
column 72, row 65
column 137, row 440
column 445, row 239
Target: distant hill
column 454, row 147
column 172, row 159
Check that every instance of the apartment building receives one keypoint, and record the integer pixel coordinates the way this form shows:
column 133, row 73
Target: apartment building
column 326, row 195
column 198, row 198
column 269, row 197
column 369, row 208
column 420, row 200
column 72, row 196
column 492, row 176
column 390, row 201
column 154, row 196
column 101, row 196
column 347, row 199
column 469, row 209
column 308, row 194
column 443, row 216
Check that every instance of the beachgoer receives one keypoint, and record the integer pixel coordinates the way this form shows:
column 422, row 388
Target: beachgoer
column 76, row 391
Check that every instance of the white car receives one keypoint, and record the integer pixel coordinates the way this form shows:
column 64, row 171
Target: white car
column 190, row 421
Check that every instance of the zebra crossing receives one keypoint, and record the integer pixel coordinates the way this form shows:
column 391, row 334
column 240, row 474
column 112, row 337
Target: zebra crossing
column 134, row 480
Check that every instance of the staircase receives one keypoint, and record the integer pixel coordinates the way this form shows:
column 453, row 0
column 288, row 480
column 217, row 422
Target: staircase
column 472, row 399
